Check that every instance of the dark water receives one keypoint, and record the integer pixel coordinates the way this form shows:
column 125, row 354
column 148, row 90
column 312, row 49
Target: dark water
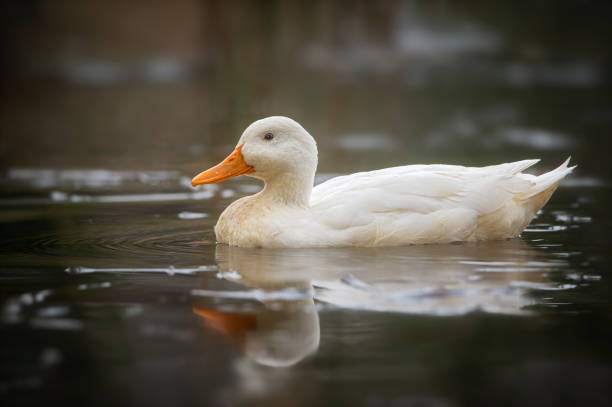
column 113, row 290
column 113, row 297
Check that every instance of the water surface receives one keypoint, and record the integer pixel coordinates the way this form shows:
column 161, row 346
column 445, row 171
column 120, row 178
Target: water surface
column 135, row 297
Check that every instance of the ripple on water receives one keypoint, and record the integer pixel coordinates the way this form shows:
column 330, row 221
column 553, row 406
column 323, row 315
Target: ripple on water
column 164, row 270
column 542, row 286
column 565, row 217
column 77, row 178
column 57, row 196
column 100, row 239
column 84, row 186
column 286, row 294
column 545, row 228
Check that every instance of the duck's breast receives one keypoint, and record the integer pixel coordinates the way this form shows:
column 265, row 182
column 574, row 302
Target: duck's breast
column 254, row 222
column 240, row 223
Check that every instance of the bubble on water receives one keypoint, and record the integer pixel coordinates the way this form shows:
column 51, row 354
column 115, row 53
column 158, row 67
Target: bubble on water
column 288, row 294
column 425, row 41
column 51, row 357
column 170, row 270
column 541, row 139
column 488, row 263
column 40, row 296
column 74, row 270
column 566, row 254
column 568, row 218
column 63, row 197
column 227, row 193
column 545, row 228
column 11, row 311
column 91, row 286
column 77, row 178
column 231, row 275
column 133, row 310
column 249, row 188
column 192, row 215
column 542, row 286
column 165, row 70
column 26, row 298
column 575, row 181
column 62, row 324
column 58, row 196
column 54, row 311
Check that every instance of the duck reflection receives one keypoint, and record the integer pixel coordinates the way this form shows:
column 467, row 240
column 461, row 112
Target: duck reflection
column 281, row 334
column 285, row 328
column 492, row 277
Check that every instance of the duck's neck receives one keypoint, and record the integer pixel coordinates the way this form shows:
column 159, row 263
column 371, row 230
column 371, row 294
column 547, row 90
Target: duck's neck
column 289, row 189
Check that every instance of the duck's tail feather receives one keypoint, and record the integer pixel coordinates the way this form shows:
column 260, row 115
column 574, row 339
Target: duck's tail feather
column 548, row 182
column 518, row 166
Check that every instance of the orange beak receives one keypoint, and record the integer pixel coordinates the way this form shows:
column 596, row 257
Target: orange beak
column 232, row 166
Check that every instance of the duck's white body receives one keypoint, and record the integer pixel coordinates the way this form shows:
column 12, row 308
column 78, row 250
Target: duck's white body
column 395, row 206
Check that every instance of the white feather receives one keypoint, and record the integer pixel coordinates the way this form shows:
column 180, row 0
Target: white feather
column 393, row 206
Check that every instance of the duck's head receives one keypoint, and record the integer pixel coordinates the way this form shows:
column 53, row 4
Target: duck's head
column 268, row 148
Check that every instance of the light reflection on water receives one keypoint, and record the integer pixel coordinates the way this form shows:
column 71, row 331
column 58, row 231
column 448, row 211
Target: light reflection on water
column 441, row 280
column 142, row 272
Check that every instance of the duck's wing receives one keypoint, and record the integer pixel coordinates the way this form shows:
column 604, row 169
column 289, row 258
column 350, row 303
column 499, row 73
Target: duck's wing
column 361, row 198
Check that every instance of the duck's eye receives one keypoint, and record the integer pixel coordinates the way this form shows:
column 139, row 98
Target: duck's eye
column 268, row 136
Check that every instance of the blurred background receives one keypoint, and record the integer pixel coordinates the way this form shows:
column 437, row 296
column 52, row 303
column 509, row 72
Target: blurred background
column 153, row 85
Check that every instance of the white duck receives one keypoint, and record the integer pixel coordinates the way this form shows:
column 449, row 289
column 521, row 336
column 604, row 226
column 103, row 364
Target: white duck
column 393, row 206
